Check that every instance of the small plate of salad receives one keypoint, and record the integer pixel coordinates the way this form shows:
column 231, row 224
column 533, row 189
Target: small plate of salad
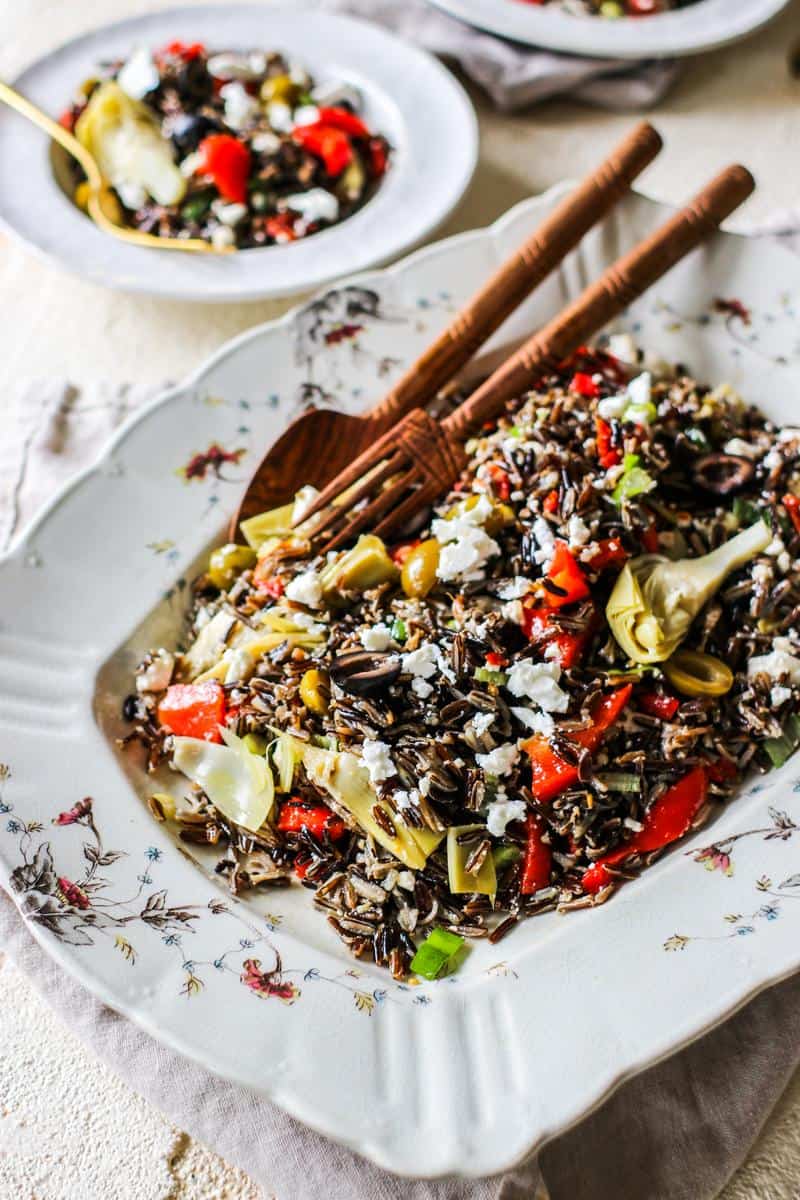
column 627, row 29
column 321, row 142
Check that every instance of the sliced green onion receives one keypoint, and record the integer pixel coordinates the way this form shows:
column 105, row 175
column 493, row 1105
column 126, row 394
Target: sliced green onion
column 488, row 675
column 504, row 856
column 633, row 481
column 621, row 781
column 437, row 954
column 782, row 748
column 746, row 512
column 398, row 630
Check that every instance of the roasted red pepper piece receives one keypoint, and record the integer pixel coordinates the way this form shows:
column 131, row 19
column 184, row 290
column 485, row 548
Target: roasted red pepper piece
column 227, row 161
column 792, row 505
column 538, row 858
column 281, row 227
column 551, row 501
column 584, row 385
column 568, row 577
column 551, row 774
column 608, row 552
column 495, row 660
column 342, row 118
column 607, row 454
column 501, row 485
column 668, row 819
column 327, row 142
column 378, row 157
column 184, row 50
column 194, row 710
column 722, row 770
column 265, row 581
column 650, row 539
column 658, row 705
column 295, row 816
column 538, row 625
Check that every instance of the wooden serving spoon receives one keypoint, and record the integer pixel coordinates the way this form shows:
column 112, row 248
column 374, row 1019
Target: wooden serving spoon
column 102, row 205
column 322, row 442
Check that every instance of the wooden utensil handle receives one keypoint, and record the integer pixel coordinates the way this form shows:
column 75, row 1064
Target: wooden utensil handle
column 622, row 283
column 559, row 233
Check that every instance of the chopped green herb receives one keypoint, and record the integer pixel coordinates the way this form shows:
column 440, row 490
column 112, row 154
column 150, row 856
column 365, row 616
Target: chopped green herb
column 621, row 781
column 437, row 954
column 488, row 675
column 398, row 630
column 633, row 481
column 746, row 512
column 504, row 856
column 196, row 208
column 782, row 748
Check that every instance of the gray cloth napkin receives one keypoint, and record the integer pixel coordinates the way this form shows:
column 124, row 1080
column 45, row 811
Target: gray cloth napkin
column 676, row 1132
column 515, row 75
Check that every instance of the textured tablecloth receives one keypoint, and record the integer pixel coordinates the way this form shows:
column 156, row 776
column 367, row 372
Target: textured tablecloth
column 68, row 1127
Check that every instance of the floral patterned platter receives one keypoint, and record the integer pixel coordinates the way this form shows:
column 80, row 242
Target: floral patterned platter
column 468, row 1074
column 407, row 94
column 703, row 25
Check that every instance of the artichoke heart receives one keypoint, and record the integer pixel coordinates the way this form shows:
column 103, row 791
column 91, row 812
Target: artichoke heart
column 126, row 143
column 655, row 600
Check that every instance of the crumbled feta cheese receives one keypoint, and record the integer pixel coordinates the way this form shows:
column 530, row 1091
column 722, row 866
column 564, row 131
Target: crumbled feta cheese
column 376, row 637
column 777, row 550
column 306, row 114
column 773, row 459
column 612, row 407
column 332, row 93
column 465, row 555
column 640, row 390
column 157, row 674
column 240, row 107
column 762, row 574
column 500, row 761
column 377, row 759
column 480, row 724
column 306, row 589
column 317, row 204
column 240, row 665
column 403, row 800
column 742, row 448
column 788, row 434
column 279, row 116
column 538, row 682
column 191, row 164
column 780, row 694
column 421, row 687
column 781, row 661
column 131, row 194
column 265, row 142
column 228, row 214
column 500, row 812
column 306, row 621
column 425, row 783
column 222, row 236
column 405, row 879
column 421, row 662
column 546, row 541
column 517, row 587
column 578, row 532
column 231, row 65
column 535, row 720
column 513, row 611
column 139, row 75
column 623, row 347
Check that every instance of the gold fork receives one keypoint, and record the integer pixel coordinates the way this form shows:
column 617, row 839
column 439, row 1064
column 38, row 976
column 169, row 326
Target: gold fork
column 103, row 206
column 420, row 458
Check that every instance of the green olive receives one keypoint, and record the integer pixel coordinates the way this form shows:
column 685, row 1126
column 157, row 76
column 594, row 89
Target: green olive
column 695, row 674
column 419, row 570
column 315, row 691
column 227, row 562
column 280, row 89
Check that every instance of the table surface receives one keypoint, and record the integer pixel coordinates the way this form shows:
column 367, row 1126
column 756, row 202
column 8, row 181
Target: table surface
column 740, row 103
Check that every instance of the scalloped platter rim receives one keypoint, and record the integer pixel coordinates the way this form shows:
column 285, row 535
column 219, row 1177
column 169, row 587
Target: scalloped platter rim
column 462, row 1076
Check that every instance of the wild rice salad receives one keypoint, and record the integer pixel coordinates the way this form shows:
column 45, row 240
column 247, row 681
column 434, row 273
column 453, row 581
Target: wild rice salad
column 573, row 663
column 613, row 9
column 241, row 148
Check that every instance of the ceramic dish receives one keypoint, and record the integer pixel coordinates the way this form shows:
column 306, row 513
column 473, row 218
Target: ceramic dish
column 705, row 25
column 464, row 1075
column 407, row 94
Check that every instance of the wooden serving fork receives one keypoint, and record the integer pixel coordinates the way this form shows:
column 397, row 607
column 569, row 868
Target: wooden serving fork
column 421, row 458
column 322, row 442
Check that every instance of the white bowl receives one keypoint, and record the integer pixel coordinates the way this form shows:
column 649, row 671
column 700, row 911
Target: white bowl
column 468, row 1074
column 705, row 25
column 408, row 95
